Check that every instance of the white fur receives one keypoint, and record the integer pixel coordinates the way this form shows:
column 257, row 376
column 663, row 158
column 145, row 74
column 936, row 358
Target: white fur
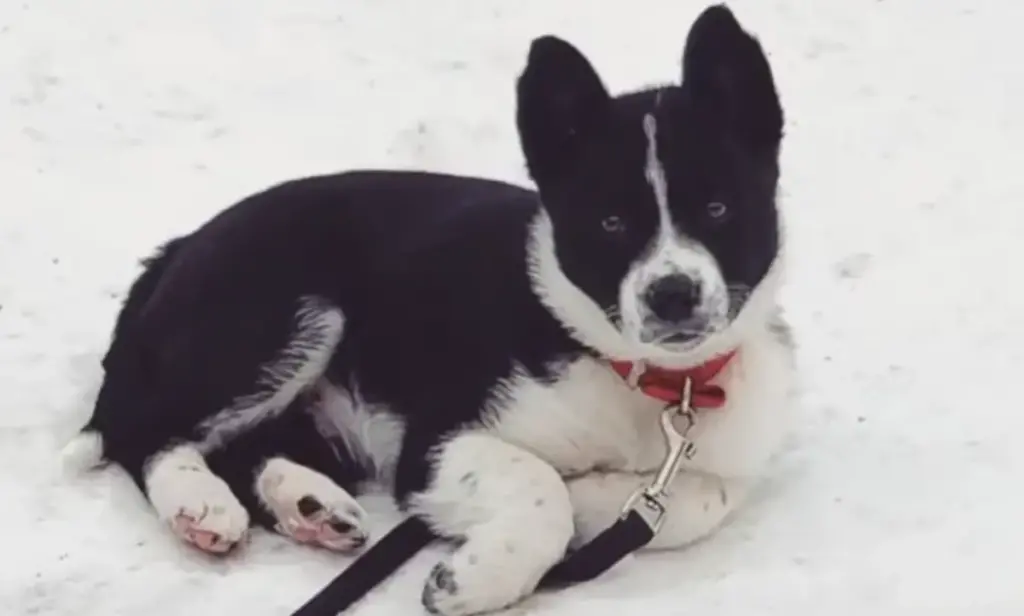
column 179, row 483
column 588, row 419
column 512, row 509
column 281, row 484
column 371, row 434
column 83, row 452
column 298, row 365
column 697, row 505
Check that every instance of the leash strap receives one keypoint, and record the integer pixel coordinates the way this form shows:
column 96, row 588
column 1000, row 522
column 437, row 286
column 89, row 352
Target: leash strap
column 370, row 569
column 619, row 540
column 627, row 535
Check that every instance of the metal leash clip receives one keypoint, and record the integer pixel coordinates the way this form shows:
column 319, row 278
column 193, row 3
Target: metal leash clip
column 651, row 502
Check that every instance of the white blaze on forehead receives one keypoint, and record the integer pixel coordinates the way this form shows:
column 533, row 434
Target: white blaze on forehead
column 668, row 242
column 655, row 172
column 670, row 251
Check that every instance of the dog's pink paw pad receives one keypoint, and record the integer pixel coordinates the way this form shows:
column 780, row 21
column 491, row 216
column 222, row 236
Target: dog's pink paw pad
column 190, row 529
column 321, row 525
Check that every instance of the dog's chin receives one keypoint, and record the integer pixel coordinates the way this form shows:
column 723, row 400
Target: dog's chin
column 663, row 341
column 681, row 341
column 677, row 343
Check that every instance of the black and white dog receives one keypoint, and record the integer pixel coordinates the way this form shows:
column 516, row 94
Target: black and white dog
column 454, row 336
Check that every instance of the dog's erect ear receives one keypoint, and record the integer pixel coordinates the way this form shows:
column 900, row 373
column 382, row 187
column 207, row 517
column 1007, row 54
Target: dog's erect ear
column 730, row 81
column 559, row 97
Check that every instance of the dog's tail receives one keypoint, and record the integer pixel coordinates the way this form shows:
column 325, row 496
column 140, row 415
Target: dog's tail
column 85, row 451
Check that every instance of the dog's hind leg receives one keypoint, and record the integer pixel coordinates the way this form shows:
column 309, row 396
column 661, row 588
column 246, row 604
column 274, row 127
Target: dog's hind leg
column 210, row 387
column 295, row 368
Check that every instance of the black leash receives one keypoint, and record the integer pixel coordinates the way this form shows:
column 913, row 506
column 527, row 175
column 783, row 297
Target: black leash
column 627, row 535
column 618, row 541
column 642, row 517
column 371, row 568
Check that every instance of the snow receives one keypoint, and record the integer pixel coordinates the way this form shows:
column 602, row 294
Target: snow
column 124, row 122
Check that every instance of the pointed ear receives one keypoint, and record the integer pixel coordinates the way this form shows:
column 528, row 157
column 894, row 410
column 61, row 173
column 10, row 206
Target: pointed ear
column 728, row 78
column 559, row 97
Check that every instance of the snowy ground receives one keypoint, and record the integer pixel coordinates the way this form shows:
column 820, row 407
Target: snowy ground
column 123, row 122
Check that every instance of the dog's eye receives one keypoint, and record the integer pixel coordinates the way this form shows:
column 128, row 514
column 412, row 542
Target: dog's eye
column 717, row 210
column 613, row 224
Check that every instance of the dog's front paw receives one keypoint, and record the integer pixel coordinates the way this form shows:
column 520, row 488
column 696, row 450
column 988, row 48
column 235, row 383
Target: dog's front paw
column 440, row 589
column 476, row 582
column 310, row 508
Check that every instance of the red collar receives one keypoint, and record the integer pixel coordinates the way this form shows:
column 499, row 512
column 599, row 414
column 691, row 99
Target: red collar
column 667, row 384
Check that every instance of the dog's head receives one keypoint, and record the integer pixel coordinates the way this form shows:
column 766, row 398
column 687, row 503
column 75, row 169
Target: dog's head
column 659, row 221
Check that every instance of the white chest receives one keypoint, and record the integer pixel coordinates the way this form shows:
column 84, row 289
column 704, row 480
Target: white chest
column 590, row 419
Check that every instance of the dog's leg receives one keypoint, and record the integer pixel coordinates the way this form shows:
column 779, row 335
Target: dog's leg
column 309, row 507
column 212, row 386
column 697, row 505
column 294, row 367
column 511, row 515
column 198, row 506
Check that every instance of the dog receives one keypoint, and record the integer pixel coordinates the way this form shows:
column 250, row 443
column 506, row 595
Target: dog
column 453, row 337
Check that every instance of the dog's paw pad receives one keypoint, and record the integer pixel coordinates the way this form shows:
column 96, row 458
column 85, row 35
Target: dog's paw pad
column 310, row 508
column 199, row 507
column 214, row 530
column 440, row 593
column 331, row 526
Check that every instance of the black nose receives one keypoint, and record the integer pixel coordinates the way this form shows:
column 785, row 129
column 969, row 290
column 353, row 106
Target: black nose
column 672, row 298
